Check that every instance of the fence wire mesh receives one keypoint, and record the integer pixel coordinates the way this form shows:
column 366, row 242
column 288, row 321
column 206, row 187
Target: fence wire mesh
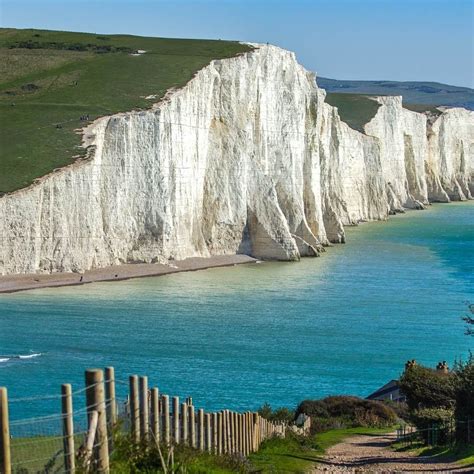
column 38, row 444
column 68, row 434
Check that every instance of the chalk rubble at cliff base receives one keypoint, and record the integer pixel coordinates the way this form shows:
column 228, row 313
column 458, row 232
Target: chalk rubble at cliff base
column 246, row 158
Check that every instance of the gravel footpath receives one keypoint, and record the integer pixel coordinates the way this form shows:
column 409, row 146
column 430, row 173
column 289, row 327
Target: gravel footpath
column 373, row 454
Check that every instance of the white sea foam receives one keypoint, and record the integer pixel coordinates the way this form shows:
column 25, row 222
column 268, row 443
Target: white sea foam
column 19, row 356
column 29, row 356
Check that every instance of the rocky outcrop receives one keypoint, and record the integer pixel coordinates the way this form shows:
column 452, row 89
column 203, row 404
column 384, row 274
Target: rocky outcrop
column 246, row 158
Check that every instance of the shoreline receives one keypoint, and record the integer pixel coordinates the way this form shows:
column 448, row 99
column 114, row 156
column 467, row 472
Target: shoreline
column 33, row 281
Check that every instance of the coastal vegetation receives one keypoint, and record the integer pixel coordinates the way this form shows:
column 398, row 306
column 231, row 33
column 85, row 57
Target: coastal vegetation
column 413, row 92
column 423, row 108
column 461, row 454
column 53, row 83
column 346, row 412
column 355, row 109
column 441, row 400
column 293, row 453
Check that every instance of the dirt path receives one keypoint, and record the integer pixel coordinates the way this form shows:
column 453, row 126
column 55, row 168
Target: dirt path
column 373, row 454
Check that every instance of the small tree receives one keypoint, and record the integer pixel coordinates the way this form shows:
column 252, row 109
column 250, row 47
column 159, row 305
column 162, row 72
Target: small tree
column 428, row 388
column 465, row 401
column 469, row 320
column 265, row 411
column 279, row 415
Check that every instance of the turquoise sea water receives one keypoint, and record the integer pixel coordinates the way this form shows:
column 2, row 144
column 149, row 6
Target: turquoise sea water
column 272, row 332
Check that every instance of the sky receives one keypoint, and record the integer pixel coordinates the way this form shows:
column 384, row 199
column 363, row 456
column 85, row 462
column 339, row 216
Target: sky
column 407, row 40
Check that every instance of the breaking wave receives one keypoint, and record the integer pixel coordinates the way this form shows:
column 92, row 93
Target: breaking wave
column 6, row 358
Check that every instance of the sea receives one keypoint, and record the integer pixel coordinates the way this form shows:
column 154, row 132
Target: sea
column 242, row 336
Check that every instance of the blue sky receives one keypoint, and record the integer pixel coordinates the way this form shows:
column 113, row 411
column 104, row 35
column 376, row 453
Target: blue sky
column 429, row 40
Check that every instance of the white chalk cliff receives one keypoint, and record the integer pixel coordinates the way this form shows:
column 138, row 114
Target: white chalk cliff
column 246, row 158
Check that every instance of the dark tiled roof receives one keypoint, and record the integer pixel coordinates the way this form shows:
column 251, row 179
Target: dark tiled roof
column 384, row 390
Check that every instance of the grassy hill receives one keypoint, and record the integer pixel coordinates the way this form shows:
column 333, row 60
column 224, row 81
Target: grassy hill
column 431, row 93
column 359, row 109
column 50, row 79
column 354, row 109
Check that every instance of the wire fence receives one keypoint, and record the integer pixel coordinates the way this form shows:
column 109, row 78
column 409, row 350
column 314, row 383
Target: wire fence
column 438, row 434
column 79, row 434
column 37, row 444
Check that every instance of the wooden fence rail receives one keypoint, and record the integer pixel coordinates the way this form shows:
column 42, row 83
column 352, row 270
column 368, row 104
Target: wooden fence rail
column 150, row 416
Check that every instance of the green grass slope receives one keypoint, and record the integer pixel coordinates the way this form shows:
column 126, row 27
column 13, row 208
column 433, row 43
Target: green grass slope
column 431, row 93
column 354, row 109
column 49, row 79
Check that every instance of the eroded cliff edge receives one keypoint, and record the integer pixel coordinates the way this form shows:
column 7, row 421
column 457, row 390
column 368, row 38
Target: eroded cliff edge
column 246, row 158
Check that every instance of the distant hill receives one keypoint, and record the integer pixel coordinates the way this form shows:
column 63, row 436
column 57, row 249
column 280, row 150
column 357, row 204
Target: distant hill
column 432, row 93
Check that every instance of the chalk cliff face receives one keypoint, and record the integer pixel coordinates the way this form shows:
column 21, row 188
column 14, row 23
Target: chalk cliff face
column 246, row 158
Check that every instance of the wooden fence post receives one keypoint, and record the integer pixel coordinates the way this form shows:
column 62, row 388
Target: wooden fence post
column 224, row 433
column 250, row 430
column 231, row 435
column 95, row 401
column 192, row 426
column 165, row 402
column 5, row 459
column 235, row 432
column 214, row 433
column 144, row 409
column 68, row 429
column 239, row 434
column 207, row 417
column 134, row 408
column 255, row 432
column 201, row 442
column 244, row 429
column 228, row 432
column 155, row 414
column 184, row 423
column 176, row 420
column 93, row 419
column 236, row 416
column 219, row 433
column 110, row 396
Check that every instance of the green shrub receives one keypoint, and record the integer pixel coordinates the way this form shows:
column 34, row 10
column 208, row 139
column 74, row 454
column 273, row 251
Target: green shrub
column 427, row 417
column 464, row 411
column 400, row 409
column 279, row 415
column 435, row 424
column 428, row 388
column 344, row 411
column 132, row 458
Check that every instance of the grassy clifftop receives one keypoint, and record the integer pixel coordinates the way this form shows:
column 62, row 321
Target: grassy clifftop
column 430, row 93
column 50, row 79
column 354, row 109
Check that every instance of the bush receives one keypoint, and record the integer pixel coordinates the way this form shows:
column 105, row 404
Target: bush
column 400, row 409
column 345, row 411
column 428, row 388
column 279, row 415
column 129, row 457
column 427, row 417
column 464, row 411
column 435, row 424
